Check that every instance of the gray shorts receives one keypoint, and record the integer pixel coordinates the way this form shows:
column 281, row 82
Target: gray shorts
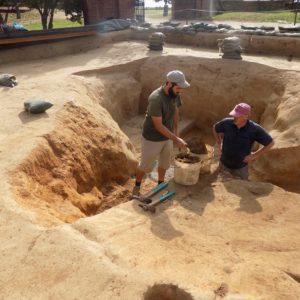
column 151, row 151
column 242, row 173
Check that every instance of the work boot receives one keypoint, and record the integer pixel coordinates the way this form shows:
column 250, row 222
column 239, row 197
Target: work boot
column 136, row 191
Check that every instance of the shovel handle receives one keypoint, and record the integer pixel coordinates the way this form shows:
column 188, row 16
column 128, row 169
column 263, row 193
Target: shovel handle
column 166, row 196
column 153, row 192
column 160, row 187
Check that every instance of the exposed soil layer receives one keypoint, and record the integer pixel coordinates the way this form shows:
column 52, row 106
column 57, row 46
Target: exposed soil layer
column 79, row 169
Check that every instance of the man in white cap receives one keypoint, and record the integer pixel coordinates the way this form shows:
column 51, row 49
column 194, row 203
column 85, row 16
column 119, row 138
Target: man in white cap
column 235, row 138
column 160, row 128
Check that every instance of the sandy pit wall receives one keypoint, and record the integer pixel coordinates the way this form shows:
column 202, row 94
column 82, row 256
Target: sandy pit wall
column 251, row 44
column 216, row 86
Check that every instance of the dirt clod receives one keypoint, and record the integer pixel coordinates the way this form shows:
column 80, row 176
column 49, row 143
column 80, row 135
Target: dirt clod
column 196, row 145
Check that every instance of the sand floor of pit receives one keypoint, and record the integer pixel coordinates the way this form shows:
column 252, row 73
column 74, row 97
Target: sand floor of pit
column 243, row 234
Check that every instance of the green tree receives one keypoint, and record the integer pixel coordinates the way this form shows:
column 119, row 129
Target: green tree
column 10, row 4
column 73, row 9
column 2, row 19
column 46, row 9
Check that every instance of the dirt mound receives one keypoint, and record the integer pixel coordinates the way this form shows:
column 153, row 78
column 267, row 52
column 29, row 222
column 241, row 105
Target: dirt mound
column 80, row 168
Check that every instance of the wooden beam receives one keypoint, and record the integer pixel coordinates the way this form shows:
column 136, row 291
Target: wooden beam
column 16, row 40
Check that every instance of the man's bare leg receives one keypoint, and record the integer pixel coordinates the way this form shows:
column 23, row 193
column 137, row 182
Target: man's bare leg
column 138, row 180
column 161, row 174
column 139, row 176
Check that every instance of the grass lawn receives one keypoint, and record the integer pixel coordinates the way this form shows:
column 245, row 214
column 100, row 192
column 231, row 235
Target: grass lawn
column 32, row 20
column 234, row 16
column 256, row 16
column 56, row 24
column 157, row 13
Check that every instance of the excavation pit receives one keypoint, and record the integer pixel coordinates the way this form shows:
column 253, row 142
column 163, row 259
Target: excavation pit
column 123, row 251
column 85, row 165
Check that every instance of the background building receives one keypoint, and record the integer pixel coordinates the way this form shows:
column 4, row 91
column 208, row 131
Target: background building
column 100, row 10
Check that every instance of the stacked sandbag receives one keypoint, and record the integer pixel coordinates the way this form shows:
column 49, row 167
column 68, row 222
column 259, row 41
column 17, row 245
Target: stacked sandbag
column 8, row 80
column 37, row 106
column 156, row 41
column 230, row 47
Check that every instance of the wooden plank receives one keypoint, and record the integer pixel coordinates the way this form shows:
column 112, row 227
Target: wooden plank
column 15, row 40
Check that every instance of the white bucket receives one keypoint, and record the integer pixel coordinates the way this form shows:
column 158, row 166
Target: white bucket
column 206, row 160
column 186, row 174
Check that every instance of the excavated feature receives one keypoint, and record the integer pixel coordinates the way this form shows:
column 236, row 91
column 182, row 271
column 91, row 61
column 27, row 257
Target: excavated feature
column 84, row 166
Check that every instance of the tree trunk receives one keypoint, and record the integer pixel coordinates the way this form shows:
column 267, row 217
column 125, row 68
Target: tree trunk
column 52, row 10
column 166, row 10
column 47, row 10
column 44, row 20
column 1, row 19
column 220, row 4
column 50, row 24
column 18, row 14
column 85, row 14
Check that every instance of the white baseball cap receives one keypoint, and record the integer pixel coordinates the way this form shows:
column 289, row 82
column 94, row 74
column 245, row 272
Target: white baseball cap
column 178, row 77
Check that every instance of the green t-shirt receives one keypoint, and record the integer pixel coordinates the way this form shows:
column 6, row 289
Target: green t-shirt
column 160, row 105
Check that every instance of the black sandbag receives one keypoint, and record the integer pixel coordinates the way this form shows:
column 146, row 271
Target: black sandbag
column 37, row 106
column 8, row 80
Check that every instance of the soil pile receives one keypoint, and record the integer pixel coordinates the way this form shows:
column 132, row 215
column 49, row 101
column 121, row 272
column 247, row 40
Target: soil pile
column 80, row 168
